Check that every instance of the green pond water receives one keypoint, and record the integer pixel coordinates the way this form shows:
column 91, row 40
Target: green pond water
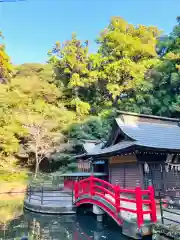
column 80, row 227
column 75, row 227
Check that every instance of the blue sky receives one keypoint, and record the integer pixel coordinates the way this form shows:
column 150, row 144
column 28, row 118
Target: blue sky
column 32, row 27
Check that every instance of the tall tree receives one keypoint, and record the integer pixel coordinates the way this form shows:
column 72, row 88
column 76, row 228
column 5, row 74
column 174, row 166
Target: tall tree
column 126, row 52
column 96, row 81
column 71, row 65
column 166, row 77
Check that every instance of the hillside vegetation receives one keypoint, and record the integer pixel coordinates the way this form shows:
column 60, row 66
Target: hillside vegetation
column 47, row 109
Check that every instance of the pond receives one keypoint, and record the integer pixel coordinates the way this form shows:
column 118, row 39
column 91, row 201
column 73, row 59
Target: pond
column 80, row 227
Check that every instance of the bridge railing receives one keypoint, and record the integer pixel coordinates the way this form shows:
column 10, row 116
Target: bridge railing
column 114, row 195
column 43, row 195
column 170, row 208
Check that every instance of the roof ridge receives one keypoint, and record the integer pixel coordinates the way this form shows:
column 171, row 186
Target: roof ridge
column 159, row 124
column 151, row 123
column 148, row 116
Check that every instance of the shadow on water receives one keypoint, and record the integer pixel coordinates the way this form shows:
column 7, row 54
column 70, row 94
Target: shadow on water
column 80, row 227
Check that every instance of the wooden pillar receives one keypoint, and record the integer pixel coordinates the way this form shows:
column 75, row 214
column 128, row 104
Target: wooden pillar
column 139, row 206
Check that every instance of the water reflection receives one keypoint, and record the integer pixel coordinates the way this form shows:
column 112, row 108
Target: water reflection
column 41, row 227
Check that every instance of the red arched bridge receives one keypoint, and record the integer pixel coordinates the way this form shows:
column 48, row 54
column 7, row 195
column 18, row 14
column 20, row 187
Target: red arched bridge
column 132, row 205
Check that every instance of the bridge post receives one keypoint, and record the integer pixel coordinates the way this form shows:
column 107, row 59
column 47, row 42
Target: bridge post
column 117, row 197
column 91, row 186
column 98, row 212
column 153, row 202
column 139, row 205
column 100, row 218
column 76, row 190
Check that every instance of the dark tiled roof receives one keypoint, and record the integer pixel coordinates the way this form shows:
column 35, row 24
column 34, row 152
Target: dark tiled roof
column 117, row 148
column 82, row 174
column 152, row 135
column 155, row 136
column 92, row 147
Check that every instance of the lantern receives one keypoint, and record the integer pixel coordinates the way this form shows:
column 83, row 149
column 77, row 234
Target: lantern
column 146, row 167
column 167, row 168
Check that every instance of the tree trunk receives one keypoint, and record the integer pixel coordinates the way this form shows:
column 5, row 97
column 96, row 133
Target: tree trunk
column 36, row 169
column 37, row 165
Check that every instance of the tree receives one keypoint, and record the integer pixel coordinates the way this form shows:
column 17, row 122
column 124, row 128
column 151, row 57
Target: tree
column 165, row 78
column 30, row 106
column 127, row 52
column 43, row 71
column 43, row 139
column 71, row 65
column 92, row 82
column 96, row 128
column 5, row 65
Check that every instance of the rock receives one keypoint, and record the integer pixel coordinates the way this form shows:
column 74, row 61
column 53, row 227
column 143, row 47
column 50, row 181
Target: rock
column 24, row 238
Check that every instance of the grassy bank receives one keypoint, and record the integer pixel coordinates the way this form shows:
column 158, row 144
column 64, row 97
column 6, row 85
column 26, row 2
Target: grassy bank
column 10, row 209
column 13, row 181
column 11, row 200
column 12, row 191
column 13, row 187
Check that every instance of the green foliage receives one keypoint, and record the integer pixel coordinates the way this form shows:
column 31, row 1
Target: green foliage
column 74, row 96
column 10, row 209
column 165, row 78
column 70, row 61
column 30, row 105
column 127, row 52
column 92, row 82
column 5, row 65
column 42, row 71
column 91, row 129
column 15, row 176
